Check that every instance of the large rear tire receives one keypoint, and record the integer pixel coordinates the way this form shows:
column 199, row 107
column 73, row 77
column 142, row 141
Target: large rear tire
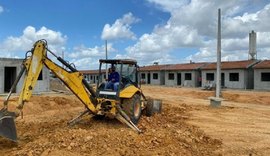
column 132, row 107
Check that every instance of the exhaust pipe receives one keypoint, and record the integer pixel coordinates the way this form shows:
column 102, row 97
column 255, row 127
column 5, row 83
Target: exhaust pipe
column 7, row 125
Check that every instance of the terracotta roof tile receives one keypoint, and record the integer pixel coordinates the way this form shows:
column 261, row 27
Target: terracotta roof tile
column 152, row 68
column 187, row 66
column 263, row 65
column 193, row 66
column 231, row 65
column 91, row 71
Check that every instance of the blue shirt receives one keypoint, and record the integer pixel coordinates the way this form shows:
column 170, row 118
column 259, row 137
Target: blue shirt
column 115, row 76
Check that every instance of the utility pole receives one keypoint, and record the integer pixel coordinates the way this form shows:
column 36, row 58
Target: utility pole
column 216, row 101
column 218, row 90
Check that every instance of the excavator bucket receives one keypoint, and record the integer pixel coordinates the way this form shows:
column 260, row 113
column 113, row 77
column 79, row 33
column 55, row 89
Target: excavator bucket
column 7, row 125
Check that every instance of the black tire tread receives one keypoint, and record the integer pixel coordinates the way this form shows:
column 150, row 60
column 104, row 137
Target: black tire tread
column 128, row 108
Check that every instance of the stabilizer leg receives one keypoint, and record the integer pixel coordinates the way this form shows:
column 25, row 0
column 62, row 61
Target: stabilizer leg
column 122, row 117
column 78, row 118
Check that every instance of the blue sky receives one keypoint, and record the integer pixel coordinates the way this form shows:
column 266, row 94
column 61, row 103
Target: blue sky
column 164, row 31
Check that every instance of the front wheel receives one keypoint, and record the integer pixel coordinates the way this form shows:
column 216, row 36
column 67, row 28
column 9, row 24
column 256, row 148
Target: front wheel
column 153, row 106
column 132, row 107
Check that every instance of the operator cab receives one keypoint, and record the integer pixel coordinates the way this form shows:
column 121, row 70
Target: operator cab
column 127, row 70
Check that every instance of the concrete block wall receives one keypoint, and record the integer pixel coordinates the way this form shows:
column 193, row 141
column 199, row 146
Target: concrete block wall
column 93, row 78
column 235, row 84
column 186, row 83
column 170, row 82
column 144, row 80
column 159, row 81
column 155, row 81
column 44, row 84
column 41, row 85
column 4, row 62
column 258, row 84
column 204, row 81
column 227, row 83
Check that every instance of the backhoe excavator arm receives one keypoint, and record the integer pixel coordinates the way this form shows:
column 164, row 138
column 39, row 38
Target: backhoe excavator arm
column 72, row 79
column 32, row 66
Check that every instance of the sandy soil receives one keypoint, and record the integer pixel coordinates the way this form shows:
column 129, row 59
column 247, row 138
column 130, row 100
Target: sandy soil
column 187, row 126
column 241, row 123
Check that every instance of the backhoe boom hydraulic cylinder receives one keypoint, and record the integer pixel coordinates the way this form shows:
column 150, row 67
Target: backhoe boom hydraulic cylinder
column 89, row 88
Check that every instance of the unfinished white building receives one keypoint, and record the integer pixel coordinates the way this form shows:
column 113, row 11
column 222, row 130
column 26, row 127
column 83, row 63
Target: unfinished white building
column 91, row 76
column 10, row 68
column 234, row 74
column 262, row 75
column 153, row 74
column 187, row 75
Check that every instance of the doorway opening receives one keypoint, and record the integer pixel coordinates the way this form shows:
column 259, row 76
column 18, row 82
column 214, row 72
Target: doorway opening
column 222, row 80
column 148, row 78
column 179, row 79
column 10, row 76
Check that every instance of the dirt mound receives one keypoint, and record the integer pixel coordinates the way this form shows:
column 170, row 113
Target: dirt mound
column 248, row 97
column 45, row 132
column 41, row 103
column 252, row 97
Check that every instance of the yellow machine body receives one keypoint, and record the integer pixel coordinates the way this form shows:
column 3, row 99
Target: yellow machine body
column 74, row 80
column 129, row 91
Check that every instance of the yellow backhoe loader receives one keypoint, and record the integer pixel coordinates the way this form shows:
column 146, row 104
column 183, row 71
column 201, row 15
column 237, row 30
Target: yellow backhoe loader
column 125, row 103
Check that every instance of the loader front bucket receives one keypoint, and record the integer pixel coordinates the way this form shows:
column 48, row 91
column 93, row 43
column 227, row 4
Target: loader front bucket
column 7, row 125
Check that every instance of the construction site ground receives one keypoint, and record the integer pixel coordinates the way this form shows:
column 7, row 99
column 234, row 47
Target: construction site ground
column 186, row 126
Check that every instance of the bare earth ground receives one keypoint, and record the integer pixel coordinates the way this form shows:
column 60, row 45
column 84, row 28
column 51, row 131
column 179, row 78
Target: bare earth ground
column 187, row 126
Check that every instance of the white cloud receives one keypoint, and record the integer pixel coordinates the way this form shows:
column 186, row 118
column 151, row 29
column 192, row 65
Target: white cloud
column 1, row 9
column 13, row 46
column 120, row 29
column 166, row 38
column 82, row 51
column 234, row 49
column 194, row 24
column 168, row 5
column 239, row 26
column 235, row 36
column 83, row 57
column 86, row 63
column 87, row 58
